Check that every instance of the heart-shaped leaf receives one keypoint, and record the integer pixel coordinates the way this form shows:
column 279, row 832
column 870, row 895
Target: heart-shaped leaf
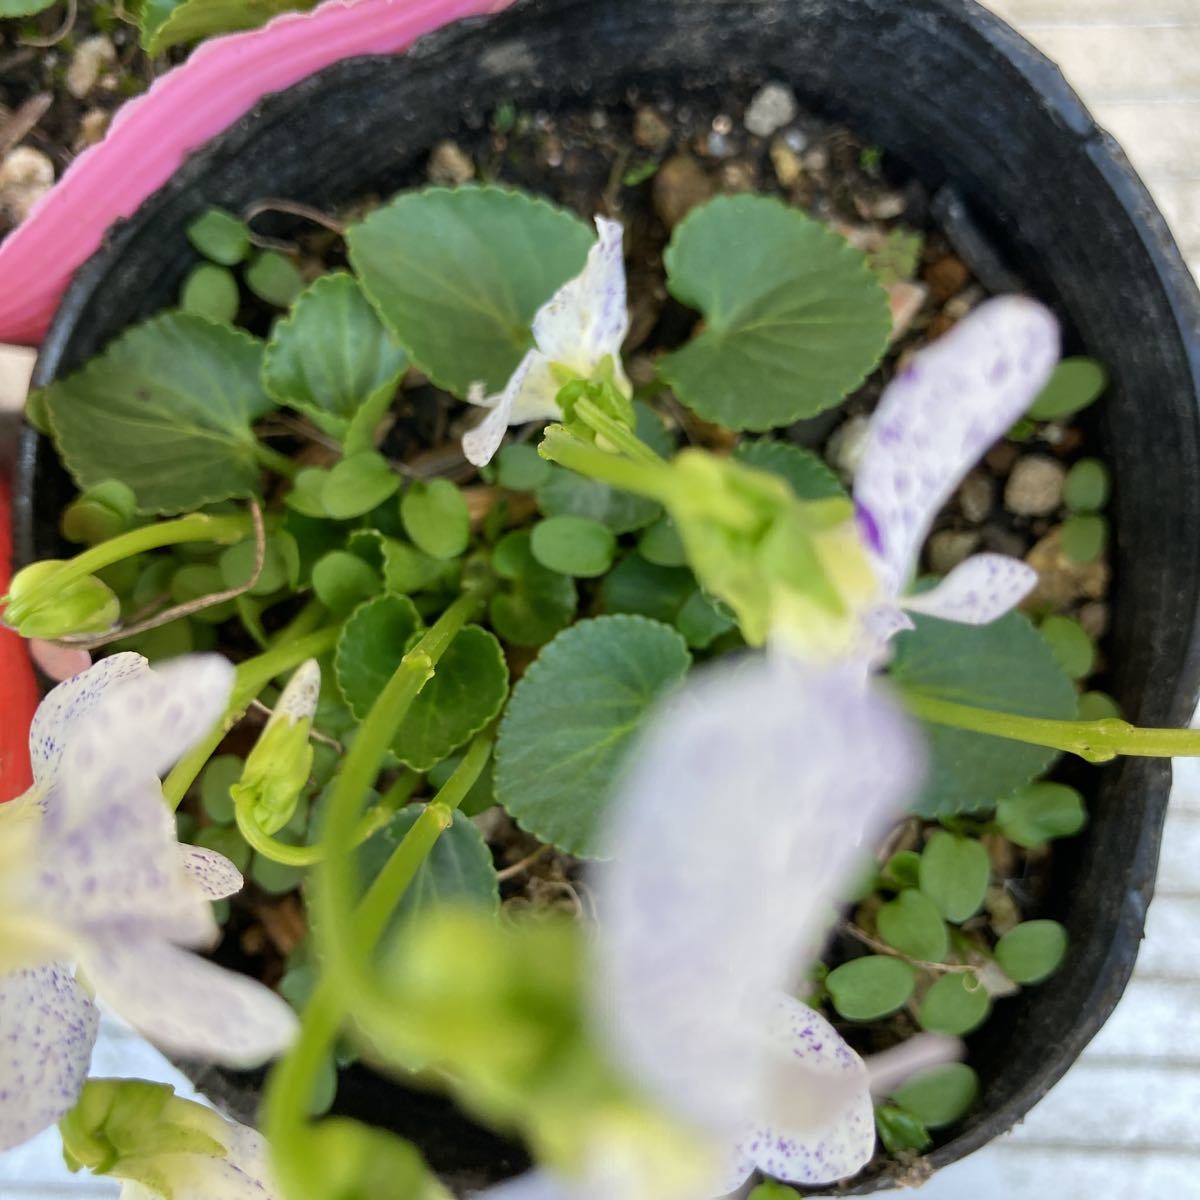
column 794, row 317
column 571, row 720
column 166, row 409
column 459, row 274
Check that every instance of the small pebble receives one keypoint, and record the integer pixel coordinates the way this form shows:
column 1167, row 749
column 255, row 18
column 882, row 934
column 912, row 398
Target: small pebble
column 905, row 301
column 93, row 125
column 1061, row 581
column 949, row 547
column 717, row 145
column 846, row 446
column 91, row 57
column 650, row 130
column 739, row 177
column 947, row 277
column 680, row 184
column 26, row 175
column 1094, row 618
column 884, row 207
column 1035, row 487
column 786, row 162
column 773, row 107
column 977, row 496
column 1001, row 457
column 999, row 540
column 449, row 164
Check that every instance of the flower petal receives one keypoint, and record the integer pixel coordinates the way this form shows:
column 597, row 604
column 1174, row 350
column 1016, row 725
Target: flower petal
column 201, row 1177
column 65, row 706
column 588, row 317
column 820, row 1124
column 215, row 874
column 188, row 1006
column 753, row 794
column 481, row 443
column 533, row 1185
column 941, row 413
column 977, row 591
column 47, row 1030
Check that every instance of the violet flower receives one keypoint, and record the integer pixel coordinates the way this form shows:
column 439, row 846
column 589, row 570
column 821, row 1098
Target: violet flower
column 91, row 874
column 577, row 329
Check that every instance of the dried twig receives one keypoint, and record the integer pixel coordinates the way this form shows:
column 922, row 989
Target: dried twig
column 524, row 864
column 293, row 208
column 317, row 736
column 16, row 125
column 883, row 948
column 63, row 31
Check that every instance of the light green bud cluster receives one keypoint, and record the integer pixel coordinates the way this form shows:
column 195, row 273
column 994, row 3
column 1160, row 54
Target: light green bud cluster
column 81, row 606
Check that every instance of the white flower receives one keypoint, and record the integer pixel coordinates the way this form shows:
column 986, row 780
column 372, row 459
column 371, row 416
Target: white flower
column 583, row 323
column 91, row 874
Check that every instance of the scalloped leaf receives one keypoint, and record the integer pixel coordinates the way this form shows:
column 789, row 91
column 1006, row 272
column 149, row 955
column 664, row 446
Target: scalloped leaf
column 1006, row 666
column 794, row 317
column 571, row 720
column 166, row 23
column 166, row 409
column 331, row 354
column 459, row 274
column 801, row 469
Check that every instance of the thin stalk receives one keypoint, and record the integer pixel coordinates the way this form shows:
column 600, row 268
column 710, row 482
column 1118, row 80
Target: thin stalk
column 653, row 480
column 1095, row 741
column 274, row 461
column 618, row 435
column 304, row 622
column 371, row 822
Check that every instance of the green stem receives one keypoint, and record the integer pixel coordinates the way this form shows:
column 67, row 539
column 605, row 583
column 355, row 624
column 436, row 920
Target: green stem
column 371, row 822
column 1095, row 741
column 252, row 676
column 274, row 461
column 618, row 435
column 304, row 622
column 653, row 480
column 198, row 527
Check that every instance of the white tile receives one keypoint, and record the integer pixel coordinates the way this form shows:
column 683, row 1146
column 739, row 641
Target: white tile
column 1034, row 13
column 1110, row 63
column 1157, row 1020
column 1179, row 865
column 1172, row 946
column 1157, row 138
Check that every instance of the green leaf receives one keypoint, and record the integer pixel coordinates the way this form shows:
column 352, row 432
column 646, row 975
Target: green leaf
column 196, row 581
column 275, row 877
column 167, row 23
column 459, row 274
column 482, row 795
column 226, row 840
column 576, row 546
column 955, row 1004
column 166, row 409
column 535, row 603
column 1032, row 951
column 281, row 564
column 636, row 586
column 407, row 569
column 435, row 516
column 940, row 1096
column 773, row 1191
column 100, row 513
column 913, row 925
column 1071, row 645
column 358, row 484
column 1087, row 486
column 802, row 470
column 221, row 773
column 274, row 278
column 701, row 622
column 355, row 1161
column 902, row 870
column 342, row 581
column 211, row 292
column 1076, row 383
column 1084, row 536
column 661, row 544
column 794, row 317
column 868, row 988
column 331, row 353
column 217, row 234
column 23, row 8
column 1006, row 666
column 1095, row 706
column 467, row 690
column 458, row 870
column 649, row 426
column 556, row 760
column 954, row 874
column 566, row 494
column 307, row 491
column 900, row 1130
column 520, row 468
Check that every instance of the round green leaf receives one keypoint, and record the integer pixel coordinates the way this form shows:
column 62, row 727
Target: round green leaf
column 1006, row 666
column 307, row 491
column 1032, row 951
column 520, row 468
column 902, row 870
column 342, row 581
column 220, row 237
column 221, row 773
column 636, row 586
column 1095, row 706
column 1075, row 384
column 566, row 494
column 166, row 409
column 212, row 292
column 913, row 925
column 370, row 646
column 1086, row 486
column 226, row 840
column 900, row 1130
column 576, row 546
column 940, row 1096
column 407, row 569
column 281, row 564
column 1042, row 811
column 358, row 484
column 331, row 353
column 1084, row 536
column 701, row 622
column 195, row 581
column 1075, row 651
column 804, row 472
column 661, row 544
column 275, row 877
column 794, row 317
column 571, row 720
column 99, row 513
column 537, row 603
column 458, row 276
column 954, row 874
column 167, row 23
column 435, row 516
column 868, row 988
column 955, row 1004
column 274, row 278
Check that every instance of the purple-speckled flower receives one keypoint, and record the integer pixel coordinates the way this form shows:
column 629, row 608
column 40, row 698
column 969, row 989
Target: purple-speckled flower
column 934, row 422
column 91, row 874
column 584, row 322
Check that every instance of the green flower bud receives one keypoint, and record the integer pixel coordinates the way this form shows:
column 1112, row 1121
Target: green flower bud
column 82, row 606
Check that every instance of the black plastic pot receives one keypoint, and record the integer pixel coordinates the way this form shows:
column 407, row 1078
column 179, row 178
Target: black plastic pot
column 957, row 96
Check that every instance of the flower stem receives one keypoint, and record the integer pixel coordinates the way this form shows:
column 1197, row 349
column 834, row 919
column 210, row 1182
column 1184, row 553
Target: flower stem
column 1095, row 741
column 274, row 461
column 644, row 478
column 371, row 822
column 197, row 527
column 252, row 676
column 618, row 435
